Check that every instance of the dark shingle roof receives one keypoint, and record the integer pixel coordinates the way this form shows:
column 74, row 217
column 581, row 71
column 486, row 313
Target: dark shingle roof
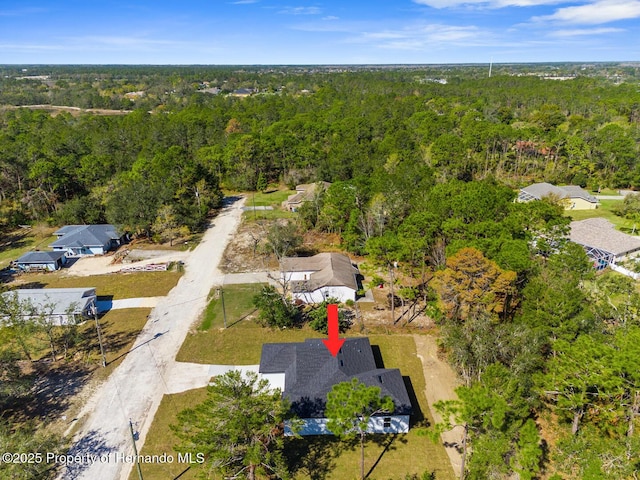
column 40, row 257
column 310, row 373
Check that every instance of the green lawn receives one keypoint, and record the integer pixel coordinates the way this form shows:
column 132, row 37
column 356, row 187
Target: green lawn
column 271, row 198
column 117, row 285
column 13, row 245
column 241, row 342
column 238, row 302
column 605, row 211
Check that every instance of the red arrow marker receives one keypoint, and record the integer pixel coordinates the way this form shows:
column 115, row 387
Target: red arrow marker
column 333, row 343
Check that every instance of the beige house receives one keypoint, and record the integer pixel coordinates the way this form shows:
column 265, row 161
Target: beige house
column 325, row 275
column 304, row 193
column 572, row 196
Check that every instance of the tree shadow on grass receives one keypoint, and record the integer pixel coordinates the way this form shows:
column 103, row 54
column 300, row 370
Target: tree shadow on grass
column 51, row 394
column 417, row 416
column 387, row 442
column 312, row 456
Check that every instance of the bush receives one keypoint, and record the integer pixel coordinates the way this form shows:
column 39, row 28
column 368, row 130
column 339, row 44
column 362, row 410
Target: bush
column 275, row 311
column 318, row 318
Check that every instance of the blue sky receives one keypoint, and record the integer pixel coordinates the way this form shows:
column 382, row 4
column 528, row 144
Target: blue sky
column 317, row 32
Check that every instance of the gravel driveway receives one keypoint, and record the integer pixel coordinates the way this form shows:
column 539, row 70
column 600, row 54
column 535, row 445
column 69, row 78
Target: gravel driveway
column 134, row 390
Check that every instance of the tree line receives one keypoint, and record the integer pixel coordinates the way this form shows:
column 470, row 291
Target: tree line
column 345, row 127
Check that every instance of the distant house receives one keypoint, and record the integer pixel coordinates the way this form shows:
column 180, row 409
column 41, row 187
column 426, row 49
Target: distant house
column 306, row 372
column 304, row 193
column 81, row 240
column 41, row 261
column 573, row 196
column 325, row 275
column 242, row 92
column 605, row 245
column 62, row 305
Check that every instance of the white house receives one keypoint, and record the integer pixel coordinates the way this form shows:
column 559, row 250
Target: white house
column 308, row 372
column 82, row 240
column 62, row 306
column 325, row 275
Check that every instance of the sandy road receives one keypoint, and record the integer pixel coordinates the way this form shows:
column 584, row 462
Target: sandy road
column 134, row 390
column 441, row 382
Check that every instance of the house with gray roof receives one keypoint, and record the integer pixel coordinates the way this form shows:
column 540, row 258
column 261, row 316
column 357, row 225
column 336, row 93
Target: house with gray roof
column 82, row 240
column 572, row 196
column 605, row 245
column 306, row 373
column 62, row 306
column 41, row 261
column 322, row 276
column 304, row 193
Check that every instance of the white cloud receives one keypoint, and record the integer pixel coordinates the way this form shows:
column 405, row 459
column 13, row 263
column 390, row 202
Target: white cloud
column 486, row 3
column 331, row 17
column 419, row 37
column 29, row 47
column 123, row 43
column 598, row 12
column 244, row 2
column 301, row 11
column 585, row 31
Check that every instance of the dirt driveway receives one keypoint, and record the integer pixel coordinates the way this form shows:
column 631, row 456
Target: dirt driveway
column 441, row 382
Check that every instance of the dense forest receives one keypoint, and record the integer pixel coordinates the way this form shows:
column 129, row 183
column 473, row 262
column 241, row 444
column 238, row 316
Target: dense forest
column 423, row 164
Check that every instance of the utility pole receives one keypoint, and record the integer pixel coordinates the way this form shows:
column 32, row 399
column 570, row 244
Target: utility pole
column 135, row 450
column 104, row 358
column 393, row 297
column 224, row 311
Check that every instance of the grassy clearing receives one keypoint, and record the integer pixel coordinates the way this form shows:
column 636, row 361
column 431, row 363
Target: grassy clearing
column 270, row 198
column 605, row 211
column 15, row 244
column 238, row 304
column 116, row 285
column 267, row 215
column 241, row 342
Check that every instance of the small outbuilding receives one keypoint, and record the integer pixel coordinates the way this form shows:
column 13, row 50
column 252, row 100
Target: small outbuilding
column 306, row 373
column 325, row 275
column 605, row 245
column 62, row 306
column 41, row 261
column 83, row 240
column 572, row 196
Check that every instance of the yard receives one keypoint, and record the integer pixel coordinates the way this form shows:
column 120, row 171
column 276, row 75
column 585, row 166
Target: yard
column 15, row 244
column 115, row 285
column 389, row 457
column 605, row 210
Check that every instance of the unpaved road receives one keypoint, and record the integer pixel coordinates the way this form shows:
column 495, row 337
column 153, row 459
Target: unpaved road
column 134, row 390
column 441, row 382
